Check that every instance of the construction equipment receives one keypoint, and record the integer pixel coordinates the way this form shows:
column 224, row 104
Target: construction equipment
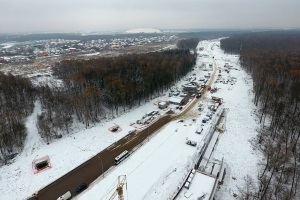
column 121, row 182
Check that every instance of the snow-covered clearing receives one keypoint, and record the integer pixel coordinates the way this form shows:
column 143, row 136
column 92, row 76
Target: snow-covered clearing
column 155, row 170
column 241, row 124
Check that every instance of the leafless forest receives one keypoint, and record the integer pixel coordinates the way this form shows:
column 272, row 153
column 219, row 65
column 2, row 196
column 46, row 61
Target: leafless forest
column 273, row 60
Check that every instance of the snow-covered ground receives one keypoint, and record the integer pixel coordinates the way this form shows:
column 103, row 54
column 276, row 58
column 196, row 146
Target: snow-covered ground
column 161, row 160
column 241, row 125
column 6, row 45
column 159, row 166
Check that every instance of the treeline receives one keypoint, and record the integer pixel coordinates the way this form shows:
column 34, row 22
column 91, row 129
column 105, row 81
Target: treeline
column 190, row 40
column 208, row 34
column 270, row 40
column 274, row 63
column 16, row 103
column 188, row 43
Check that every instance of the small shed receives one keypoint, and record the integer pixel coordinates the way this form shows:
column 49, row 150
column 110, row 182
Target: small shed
column 162, row 105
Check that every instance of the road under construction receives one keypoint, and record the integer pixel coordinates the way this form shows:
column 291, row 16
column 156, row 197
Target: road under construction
column 89, row 171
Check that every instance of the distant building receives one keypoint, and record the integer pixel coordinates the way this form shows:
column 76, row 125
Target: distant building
column 42, row 54
column 72, row 50
column 114, row 46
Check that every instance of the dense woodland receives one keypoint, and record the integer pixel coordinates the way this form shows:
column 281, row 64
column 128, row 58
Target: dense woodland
column 92, row 90
column 188, row 43
column 275, row 40
column 273, row 60
column 16, row 103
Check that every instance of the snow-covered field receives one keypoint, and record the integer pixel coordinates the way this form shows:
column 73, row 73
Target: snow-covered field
column 155, row 170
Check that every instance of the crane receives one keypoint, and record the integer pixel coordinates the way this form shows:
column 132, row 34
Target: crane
column 121, row 182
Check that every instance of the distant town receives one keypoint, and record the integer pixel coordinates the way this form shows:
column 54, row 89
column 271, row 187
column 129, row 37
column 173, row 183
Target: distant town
column 28, row 51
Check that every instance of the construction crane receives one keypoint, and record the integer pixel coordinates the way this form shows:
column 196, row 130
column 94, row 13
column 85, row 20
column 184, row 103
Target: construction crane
column 121, row 182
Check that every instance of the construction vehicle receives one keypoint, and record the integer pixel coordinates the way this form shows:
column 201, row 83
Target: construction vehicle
column 119, row 191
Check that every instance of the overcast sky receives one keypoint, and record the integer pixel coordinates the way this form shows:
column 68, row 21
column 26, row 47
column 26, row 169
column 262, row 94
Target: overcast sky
column 112, row 15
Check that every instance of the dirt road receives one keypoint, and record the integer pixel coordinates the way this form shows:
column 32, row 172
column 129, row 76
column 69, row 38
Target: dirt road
column 185, row 112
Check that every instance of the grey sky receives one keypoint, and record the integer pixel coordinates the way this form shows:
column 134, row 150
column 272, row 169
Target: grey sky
column 110, row 15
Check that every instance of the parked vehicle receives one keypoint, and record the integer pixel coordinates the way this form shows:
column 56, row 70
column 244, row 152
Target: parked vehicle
column 199, row 130
column 192, row 143
column 132, row 131
column 65, row 196
column 187, row 185
column 81, row 187
column 209, row 115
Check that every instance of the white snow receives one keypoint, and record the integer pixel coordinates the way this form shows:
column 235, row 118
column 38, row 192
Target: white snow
column 157, row 168
column 201, row 185
column 144, row 30
column 234, row 145
column 91, row 54
column 164, row 158
column 7, row 45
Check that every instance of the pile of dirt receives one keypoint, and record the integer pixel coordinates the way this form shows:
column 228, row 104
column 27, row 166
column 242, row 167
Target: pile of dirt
column 170, row 112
